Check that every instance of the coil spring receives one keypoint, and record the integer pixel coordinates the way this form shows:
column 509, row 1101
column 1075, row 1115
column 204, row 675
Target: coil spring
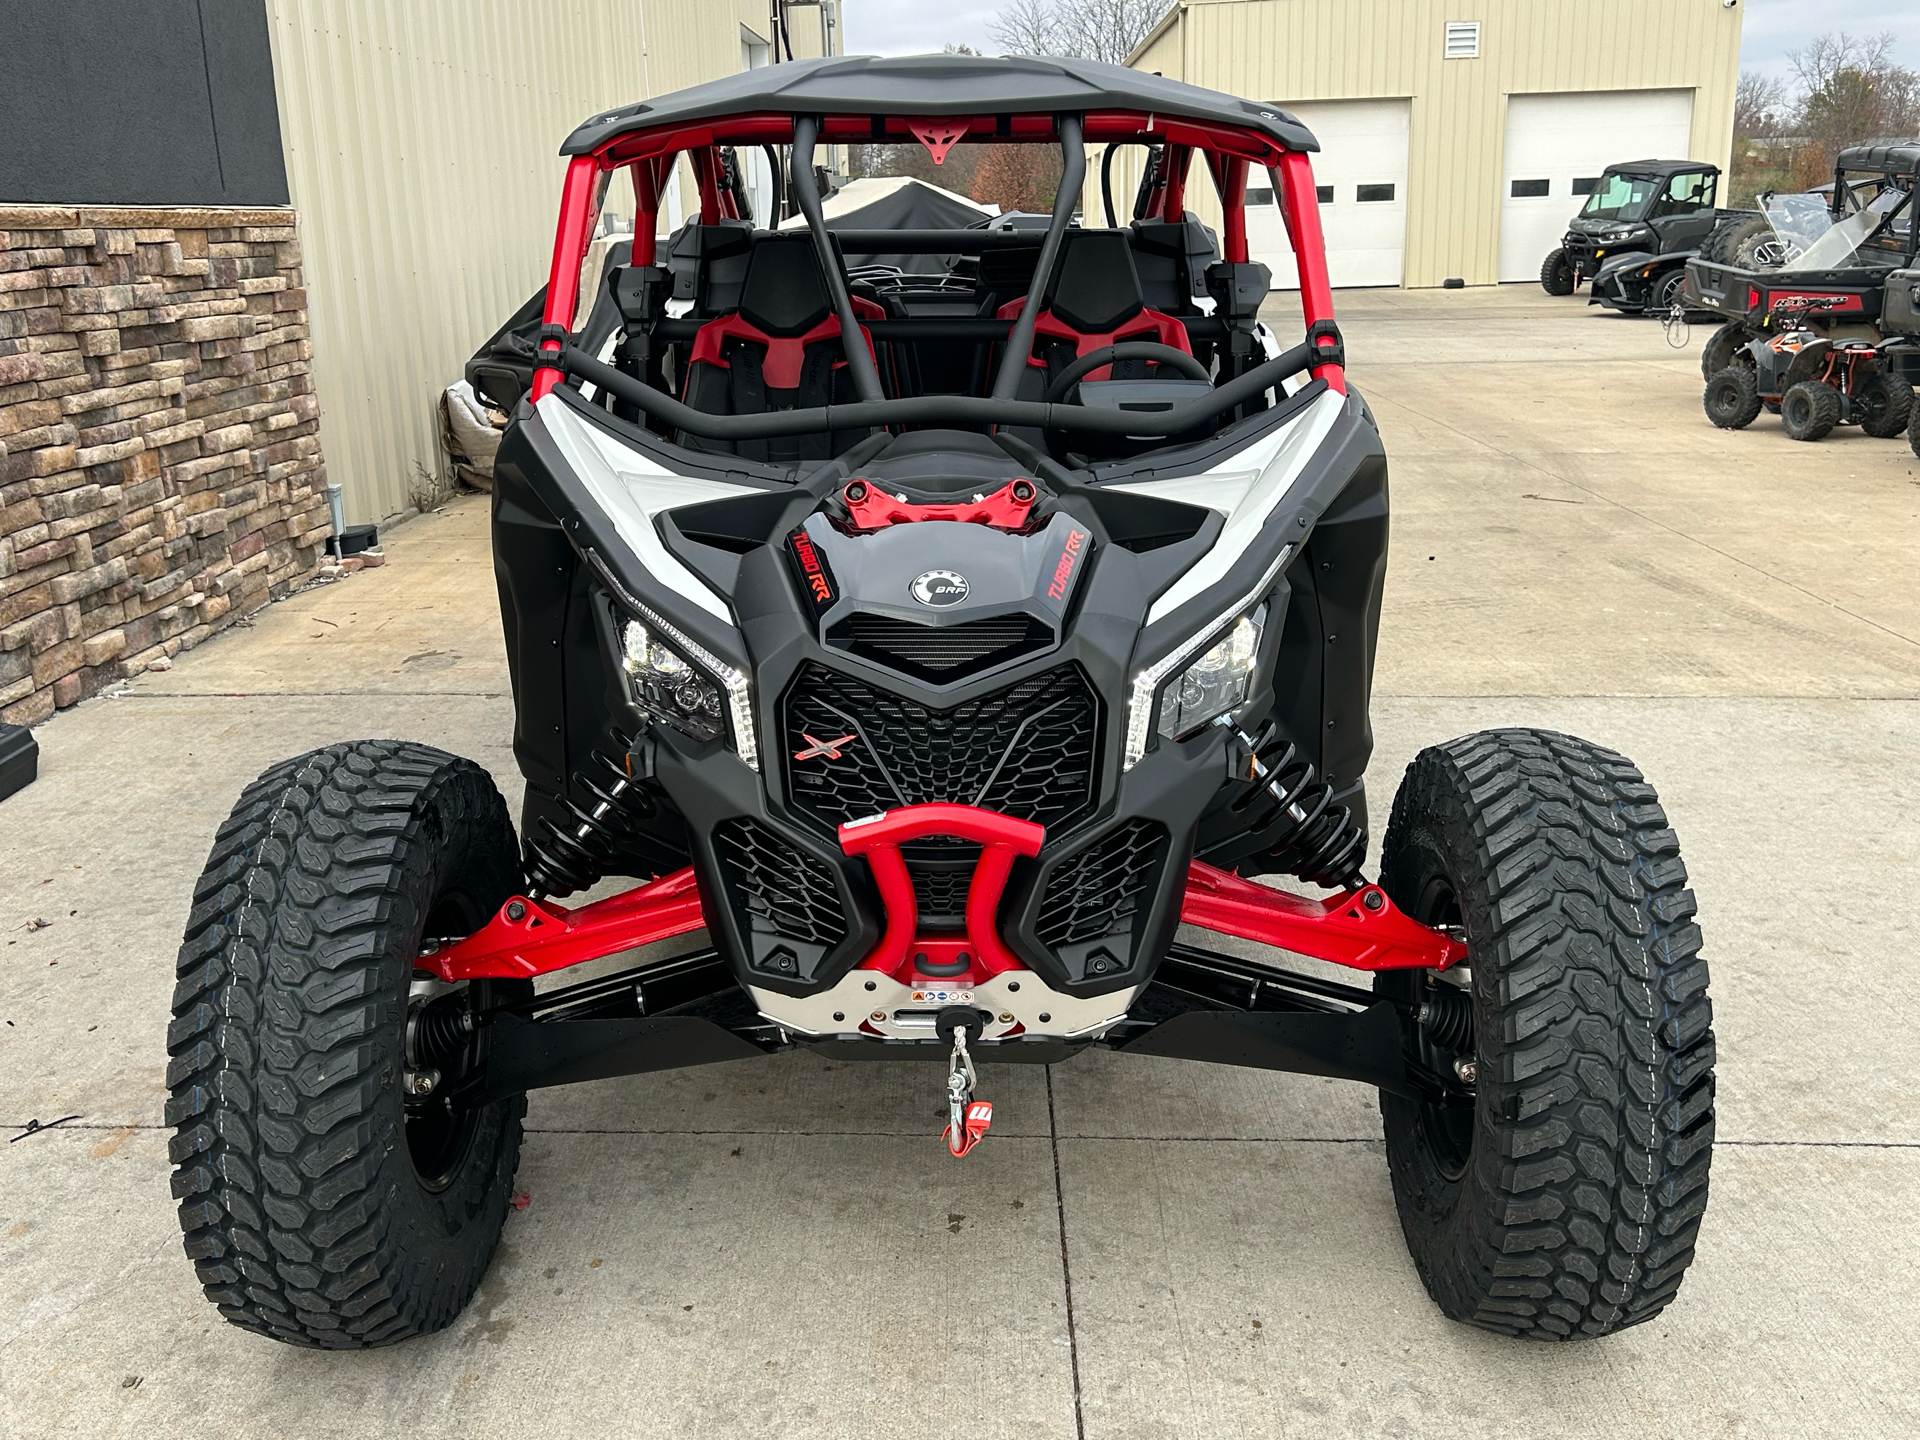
column 565, row 858
column 1293, row 809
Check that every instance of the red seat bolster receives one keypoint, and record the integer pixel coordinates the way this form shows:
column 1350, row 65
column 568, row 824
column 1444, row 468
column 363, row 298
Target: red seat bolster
column 780, row 367
column 1147, row 325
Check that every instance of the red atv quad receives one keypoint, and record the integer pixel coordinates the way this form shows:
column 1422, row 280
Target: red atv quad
column 1813, row 382
column 938, row 645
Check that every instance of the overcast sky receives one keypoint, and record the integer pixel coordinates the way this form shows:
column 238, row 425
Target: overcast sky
column 1770, row 27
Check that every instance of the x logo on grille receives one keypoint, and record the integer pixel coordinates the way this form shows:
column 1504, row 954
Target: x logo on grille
column 822, row 749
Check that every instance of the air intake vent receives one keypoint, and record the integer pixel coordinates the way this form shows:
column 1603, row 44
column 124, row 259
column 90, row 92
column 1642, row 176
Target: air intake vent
column 940, row 652
column 1096, row 893
column 784, row 891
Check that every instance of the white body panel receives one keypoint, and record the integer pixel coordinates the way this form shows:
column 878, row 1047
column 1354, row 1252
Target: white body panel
column 632, row 489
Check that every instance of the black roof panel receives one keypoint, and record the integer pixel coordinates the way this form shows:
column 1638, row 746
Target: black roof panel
column 939, row 85
column 1900, row 159
column 1661, row 167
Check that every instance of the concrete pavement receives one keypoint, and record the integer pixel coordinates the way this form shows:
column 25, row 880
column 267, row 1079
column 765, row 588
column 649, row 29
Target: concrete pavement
column 1143, row 1247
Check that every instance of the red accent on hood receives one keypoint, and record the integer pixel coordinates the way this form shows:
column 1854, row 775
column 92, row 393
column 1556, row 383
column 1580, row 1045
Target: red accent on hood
column 871, row 508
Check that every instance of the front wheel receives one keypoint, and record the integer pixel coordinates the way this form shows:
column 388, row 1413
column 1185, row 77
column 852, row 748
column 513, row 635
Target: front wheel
column 1809, row 410
column 343, row 1179
column 1556, row 273
column 1562, row 1199
column 1666, row 290
column 1732, row 398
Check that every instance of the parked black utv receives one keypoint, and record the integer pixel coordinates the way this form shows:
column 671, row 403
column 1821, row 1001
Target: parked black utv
column 1642, row 221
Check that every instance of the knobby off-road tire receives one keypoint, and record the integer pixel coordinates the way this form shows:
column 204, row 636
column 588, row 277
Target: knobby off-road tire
column 1725, row 348
column 318, row 1207
column 1563, row 1199
column 1809, row 410
column 1732, row 398
column 1746, row 242
column 1888, row 404
column 1556, row 273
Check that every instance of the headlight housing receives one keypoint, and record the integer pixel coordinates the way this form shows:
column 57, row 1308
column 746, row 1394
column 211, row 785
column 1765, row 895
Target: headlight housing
column 680, row 683
column 1218, row 681
column 1215, row 673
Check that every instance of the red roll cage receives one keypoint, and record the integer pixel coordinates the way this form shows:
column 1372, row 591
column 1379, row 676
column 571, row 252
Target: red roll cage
column 648, row 157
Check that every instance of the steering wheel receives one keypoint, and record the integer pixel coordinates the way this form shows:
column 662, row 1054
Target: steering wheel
column 1153, row 350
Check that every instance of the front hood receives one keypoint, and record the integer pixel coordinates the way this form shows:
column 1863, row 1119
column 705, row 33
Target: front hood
column 942, row 572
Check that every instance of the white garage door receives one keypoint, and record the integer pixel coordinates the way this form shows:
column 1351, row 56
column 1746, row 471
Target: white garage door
column 1361, row 170
column 1557, row 145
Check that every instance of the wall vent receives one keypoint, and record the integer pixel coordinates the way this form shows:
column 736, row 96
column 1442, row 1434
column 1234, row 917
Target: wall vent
column 1463, row 39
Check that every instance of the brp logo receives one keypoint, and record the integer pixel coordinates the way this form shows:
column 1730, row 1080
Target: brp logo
column 939, row 588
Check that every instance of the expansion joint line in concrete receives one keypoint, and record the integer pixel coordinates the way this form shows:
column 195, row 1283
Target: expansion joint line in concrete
column 1066, row 1262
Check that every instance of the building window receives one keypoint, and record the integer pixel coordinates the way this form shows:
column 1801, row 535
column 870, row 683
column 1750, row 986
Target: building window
column 1261, row 196
column 1463, row 40
column 1366, row 194
column 1586, row 184
column 1324, row 193
column 1527, row 189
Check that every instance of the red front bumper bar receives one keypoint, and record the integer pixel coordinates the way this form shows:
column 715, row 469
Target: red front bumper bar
column 1360, row 929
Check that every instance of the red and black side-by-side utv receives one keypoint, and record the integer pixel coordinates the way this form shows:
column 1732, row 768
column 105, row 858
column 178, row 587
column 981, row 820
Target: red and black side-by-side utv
column 955, row 653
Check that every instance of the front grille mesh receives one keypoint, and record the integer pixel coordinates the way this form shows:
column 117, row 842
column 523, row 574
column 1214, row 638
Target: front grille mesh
column 786, row 892
column 942, row 871
column 1026, row 750
column 1097, row 892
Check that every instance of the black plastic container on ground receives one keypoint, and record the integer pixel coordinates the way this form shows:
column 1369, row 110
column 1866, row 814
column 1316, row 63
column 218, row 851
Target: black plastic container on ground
column 19, row 759
column 358, row 539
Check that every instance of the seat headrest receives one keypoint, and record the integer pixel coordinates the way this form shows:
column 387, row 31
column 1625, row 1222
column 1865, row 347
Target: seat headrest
column 1096, row 288
column 785, row 293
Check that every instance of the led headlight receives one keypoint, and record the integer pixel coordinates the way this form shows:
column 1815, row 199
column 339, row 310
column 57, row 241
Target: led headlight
column 1216, row 682
column 1230, row 645
column 682, row 684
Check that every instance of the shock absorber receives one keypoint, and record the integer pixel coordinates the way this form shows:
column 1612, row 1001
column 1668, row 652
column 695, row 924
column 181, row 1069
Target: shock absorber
column 602, row 807
column 1291, row 811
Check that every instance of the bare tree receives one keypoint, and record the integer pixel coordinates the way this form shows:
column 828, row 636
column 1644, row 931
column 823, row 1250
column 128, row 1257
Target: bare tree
column 1026, row 27
column 1085, row 29
column 1853, row 90
column 1759, row 104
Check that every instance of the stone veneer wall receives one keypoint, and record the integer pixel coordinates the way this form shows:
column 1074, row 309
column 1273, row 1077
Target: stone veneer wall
column 160, row 467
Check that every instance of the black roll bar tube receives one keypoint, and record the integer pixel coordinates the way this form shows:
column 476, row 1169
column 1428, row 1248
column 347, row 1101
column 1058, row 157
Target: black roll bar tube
column 939, row 409
column 866, row 379
column 1013, row 360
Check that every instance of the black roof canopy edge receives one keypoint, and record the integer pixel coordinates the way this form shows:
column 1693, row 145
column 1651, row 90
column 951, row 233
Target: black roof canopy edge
column 1898, row 158
column 939, row 85
column 1661, row 167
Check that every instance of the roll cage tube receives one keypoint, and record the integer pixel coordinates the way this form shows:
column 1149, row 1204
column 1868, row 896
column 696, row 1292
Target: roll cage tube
column 649, row 155
column 866, row 379
column 943, row 409
column 1013, row 360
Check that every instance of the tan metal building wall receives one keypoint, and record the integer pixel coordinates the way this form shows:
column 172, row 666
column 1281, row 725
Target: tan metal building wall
column 421, row 143
column 1295, row 51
